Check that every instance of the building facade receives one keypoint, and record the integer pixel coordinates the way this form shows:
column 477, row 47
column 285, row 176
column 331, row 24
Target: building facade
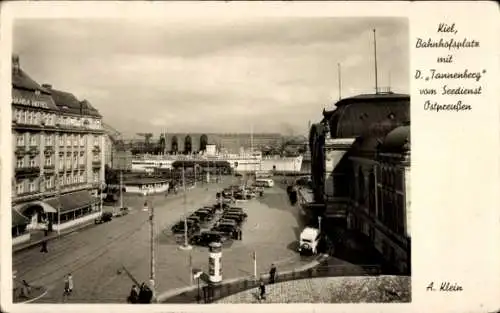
column 58, row 154
column 350, row 159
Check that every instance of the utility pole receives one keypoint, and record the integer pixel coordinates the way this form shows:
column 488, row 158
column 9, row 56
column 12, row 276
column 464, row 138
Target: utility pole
column 185, row 204
column 121, row 189
column 152, row 242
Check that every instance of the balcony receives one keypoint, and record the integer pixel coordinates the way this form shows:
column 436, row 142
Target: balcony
column 21, row 150
column 49, row 168
column 33, row 150
column 48, row 150
column 28, row 171
column 96, row 149
column 96, row 164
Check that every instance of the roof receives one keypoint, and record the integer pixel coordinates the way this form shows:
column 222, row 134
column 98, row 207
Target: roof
column 22, row 80
column 355, row 115
column 72, row 201
column 18, row 219
column 397, row 140
column 30, row 95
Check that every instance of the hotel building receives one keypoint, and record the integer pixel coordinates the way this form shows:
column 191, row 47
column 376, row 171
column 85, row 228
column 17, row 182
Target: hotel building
column 58, row 157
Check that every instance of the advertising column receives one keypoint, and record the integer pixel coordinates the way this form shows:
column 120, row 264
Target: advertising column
column 215, row 263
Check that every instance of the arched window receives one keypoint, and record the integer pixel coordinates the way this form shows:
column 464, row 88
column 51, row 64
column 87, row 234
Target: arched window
column 203, row 142
column 174, row 145
column 188, row 148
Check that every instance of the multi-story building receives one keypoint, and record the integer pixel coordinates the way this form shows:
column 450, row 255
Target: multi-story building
column 111, row 136
column 58, row 153
column 359, row 170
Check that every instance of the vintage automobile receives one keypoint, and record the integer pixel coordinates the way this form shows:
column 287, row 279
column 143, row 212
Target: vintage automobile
column 104, row 217
column 207, row 237
column 192, row 227
column 238, row 218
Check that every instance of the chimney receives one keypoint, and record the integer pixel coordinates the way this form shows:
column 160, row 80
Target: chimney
column 15, row 63
column 47, row 86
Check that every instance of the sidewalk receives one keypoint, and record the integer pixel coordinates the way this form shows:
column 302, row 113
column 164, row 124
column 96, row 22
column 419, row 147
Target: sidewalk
column 381, row 289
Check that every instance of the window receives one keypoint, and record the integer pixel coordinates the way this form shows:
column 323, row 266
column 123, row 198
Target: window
column 75, row 140
column 48, row 140
column 82, row 140
column 18, row 116
column 49, row 183
column 30, row 118
column 32, row 162
column 36, row 118
column 20, row 162
column 68, row 163
column 75, row 158
column 20, row 139
column 48, row 161
column 20, row 187
column 32, row 186
column 33, row 141
column 61, row 140
column 24, row 116
column 68, row 140
column 82, row 178
column 61, row 163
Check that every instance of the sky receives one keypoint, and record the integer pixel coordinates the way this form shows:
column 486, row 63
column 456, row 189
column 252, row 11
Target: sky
column 214, row 75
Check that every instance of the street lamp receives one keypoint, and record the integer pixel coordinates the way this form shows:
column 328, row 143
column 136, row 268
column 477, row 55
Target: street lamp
column 185, row 246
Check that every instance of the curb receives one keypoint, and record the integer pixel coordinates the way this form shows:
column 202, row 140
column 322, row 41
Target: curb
column 30, row 245
column 174, row 292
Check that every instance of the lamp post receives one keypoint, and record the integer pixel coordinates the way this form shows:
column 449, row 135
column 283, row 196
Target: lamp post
column 152, row 264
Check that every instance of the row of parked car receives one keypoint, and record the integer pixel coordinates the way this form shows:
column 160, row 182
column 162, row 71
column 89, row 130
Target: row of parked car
column 108, row 216
column 225, row 221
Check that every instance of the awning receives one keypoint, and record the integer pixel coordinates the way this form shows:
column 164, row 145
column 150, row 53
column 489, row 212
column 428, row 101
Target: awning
column 23, row 208
column 72, row 201
column 18, row 219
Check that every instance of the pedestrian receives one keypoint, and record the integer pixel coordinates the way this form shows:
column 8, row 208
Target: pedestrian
column 272, row 274
column 44, row 247
column 262, row 287
column 66, row 286
column 70, row 283
column 134, row 294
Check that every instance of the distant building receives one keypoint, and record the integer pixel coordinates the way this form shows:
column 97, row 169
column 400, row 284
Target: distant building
column 58, row 147
column 230, row 142
column 360, row 156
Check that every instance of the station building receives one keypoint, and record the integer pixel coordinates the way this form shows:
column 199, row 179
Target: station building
column 360, row 172
column 58, row 157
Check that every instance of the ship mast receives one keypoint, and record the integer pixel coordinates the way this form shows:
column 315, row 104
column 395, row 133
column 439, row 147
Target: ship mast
column 375, row 53
column 340, row 81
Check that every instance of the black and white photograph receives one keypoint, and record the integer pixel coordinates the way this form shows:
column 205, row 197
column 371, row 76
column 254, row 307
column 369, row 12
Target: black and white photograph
column 194, row 161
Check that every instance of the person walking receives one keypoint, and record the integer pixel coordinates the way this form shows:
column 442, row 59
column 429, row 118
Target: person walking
column 70, row 283
column 272, row 274
column 44, row 247
column 66, row 286
column 262, row 288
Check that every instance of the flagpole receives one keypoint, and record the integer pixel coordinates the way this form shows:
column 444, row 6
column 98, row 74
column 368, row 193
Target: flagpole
column 255, row 264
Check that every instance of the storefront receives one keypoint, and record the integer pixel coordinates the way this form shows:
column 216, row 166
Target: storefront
column 145, row 187
column 74, row 208
column 20, row 232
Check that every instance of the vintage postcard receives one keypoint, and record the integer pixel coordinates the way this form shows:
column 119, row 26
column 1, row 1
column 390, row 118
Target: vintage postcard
column 225, row 156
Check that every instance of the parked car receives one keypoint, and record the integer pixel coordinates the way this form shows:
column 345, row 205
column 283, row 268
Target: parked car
column 228, row 229
column 210, row 208
column 122, row 212
column 192, row 227
column 204, row 215
column 239, row 219
column 226, row 221
column 236, row 210
column 195, row 218
column 105, row 217
column 221, row 205
column 207, row 237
